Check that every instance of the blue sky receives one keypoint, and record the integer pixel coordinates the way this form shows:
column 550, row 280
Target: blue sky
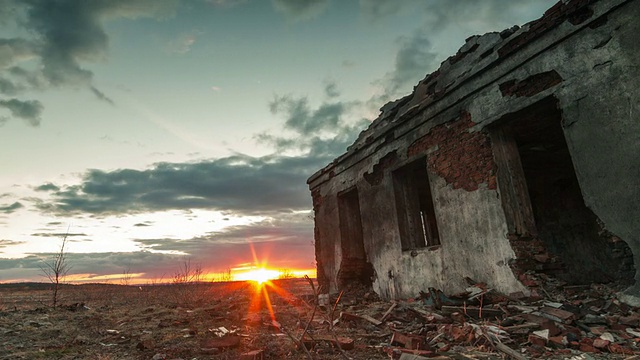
column 159, row 130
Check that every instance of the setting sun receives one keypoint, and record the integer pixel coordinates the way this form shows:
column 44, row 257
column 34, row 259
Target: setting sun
column 258, row 275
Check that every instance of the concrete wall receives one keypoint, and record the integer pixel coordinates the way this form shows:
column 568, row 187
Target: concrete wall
column 586, row 58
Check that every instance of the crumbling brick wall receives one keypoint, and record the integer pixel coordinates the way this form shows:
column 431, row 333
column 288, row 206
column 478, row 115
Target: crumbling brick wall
column 460, row 156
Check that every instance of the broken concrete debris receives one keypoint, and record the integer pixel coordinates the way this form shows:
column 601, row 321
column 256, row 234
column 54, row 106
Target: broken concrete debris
column 560, row 325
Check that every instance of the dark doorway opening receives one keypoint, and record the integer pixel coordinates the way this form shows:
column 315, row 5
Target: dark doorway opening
column 354, row 267
column 583, row 251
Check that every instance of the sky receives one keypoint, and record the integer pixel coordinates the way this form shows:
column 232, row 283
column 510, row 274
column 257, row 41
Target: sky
column 155, row 132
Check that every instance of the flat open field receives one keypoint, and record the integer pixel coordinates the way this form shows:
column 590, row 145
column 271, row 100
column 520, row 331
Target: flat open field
column 203, row 321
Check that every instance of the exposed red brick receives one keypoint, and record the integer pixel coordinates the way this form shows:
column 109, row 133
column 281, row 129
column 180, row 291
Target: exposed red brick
column 464, row 159
column 532, row 85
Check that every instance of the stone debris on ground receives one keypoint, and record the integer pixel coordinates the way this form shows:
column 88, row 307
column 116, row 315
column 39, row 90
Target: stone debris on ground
column 555, row 321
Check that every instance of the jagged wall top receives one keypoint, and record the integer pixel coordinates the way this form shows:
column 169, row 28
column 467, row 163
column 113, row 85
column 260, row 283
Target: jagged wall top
column 477, row 54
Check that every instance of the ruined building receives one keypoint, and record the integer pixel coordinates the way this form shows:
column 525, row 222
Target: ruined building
column 518, row 157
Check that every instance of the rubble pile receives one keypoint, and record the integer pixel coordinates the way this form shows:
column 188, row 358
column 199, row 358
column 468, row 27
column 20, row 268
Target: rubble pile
column 557, row 321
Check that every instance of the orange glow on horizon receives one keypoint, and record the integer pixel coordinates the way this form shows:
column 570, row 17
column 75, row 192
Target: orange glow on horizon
column 259, row 275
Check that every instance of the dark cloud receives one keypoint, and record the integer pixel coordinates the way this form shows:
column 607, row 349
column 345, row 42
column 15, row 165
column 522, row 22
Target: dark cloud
column 237, row 183
column 300, row 10
column 47, row 187
column 331, row 89
column 8, row 209
column 305, row 121
column 29, row 110
column 29, row 262
column 63, row 36
column 323, row 132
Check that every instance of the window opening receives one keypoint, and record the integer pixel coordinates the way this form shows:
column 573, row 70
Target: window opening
column 414, row 204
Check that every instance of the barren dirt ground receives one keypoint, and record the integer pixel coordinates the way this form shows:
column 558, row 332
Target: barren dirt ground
column 239, row 321
column 207, row 321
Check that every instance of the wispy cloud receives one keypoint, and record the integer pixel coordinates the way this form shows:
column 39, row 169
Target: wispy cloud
column 101, row 96
column 182, row 44
column 7, row 243
column 8, row 209
column 413, row 61
column 29, row 110
column 226, row 3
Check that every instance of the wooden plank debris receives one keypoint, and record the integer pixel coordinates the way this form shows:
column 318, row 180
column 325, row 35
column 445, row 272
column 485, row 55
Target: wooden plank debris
column 557, row 315
column 388, row 312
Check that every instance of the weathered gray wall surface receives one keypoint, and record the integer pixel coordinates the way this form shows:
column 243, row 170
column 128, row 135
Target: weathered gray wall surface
column 588, row 62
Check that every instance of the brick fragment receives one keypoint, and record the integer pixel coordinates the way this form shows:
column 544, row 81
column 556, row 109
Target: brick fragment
column 601, row 343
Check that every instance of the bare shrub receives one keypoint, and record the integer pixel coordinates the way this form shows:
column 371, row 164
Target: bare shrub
column 55, row 269
column 188, row 287
column 126, row 277
column 285, row 274
column 225, row 276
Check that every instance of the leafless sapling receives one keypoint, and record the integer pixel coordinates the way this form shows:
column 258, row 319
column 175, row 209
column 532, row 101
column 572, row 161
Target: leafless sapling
column 56, row 268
